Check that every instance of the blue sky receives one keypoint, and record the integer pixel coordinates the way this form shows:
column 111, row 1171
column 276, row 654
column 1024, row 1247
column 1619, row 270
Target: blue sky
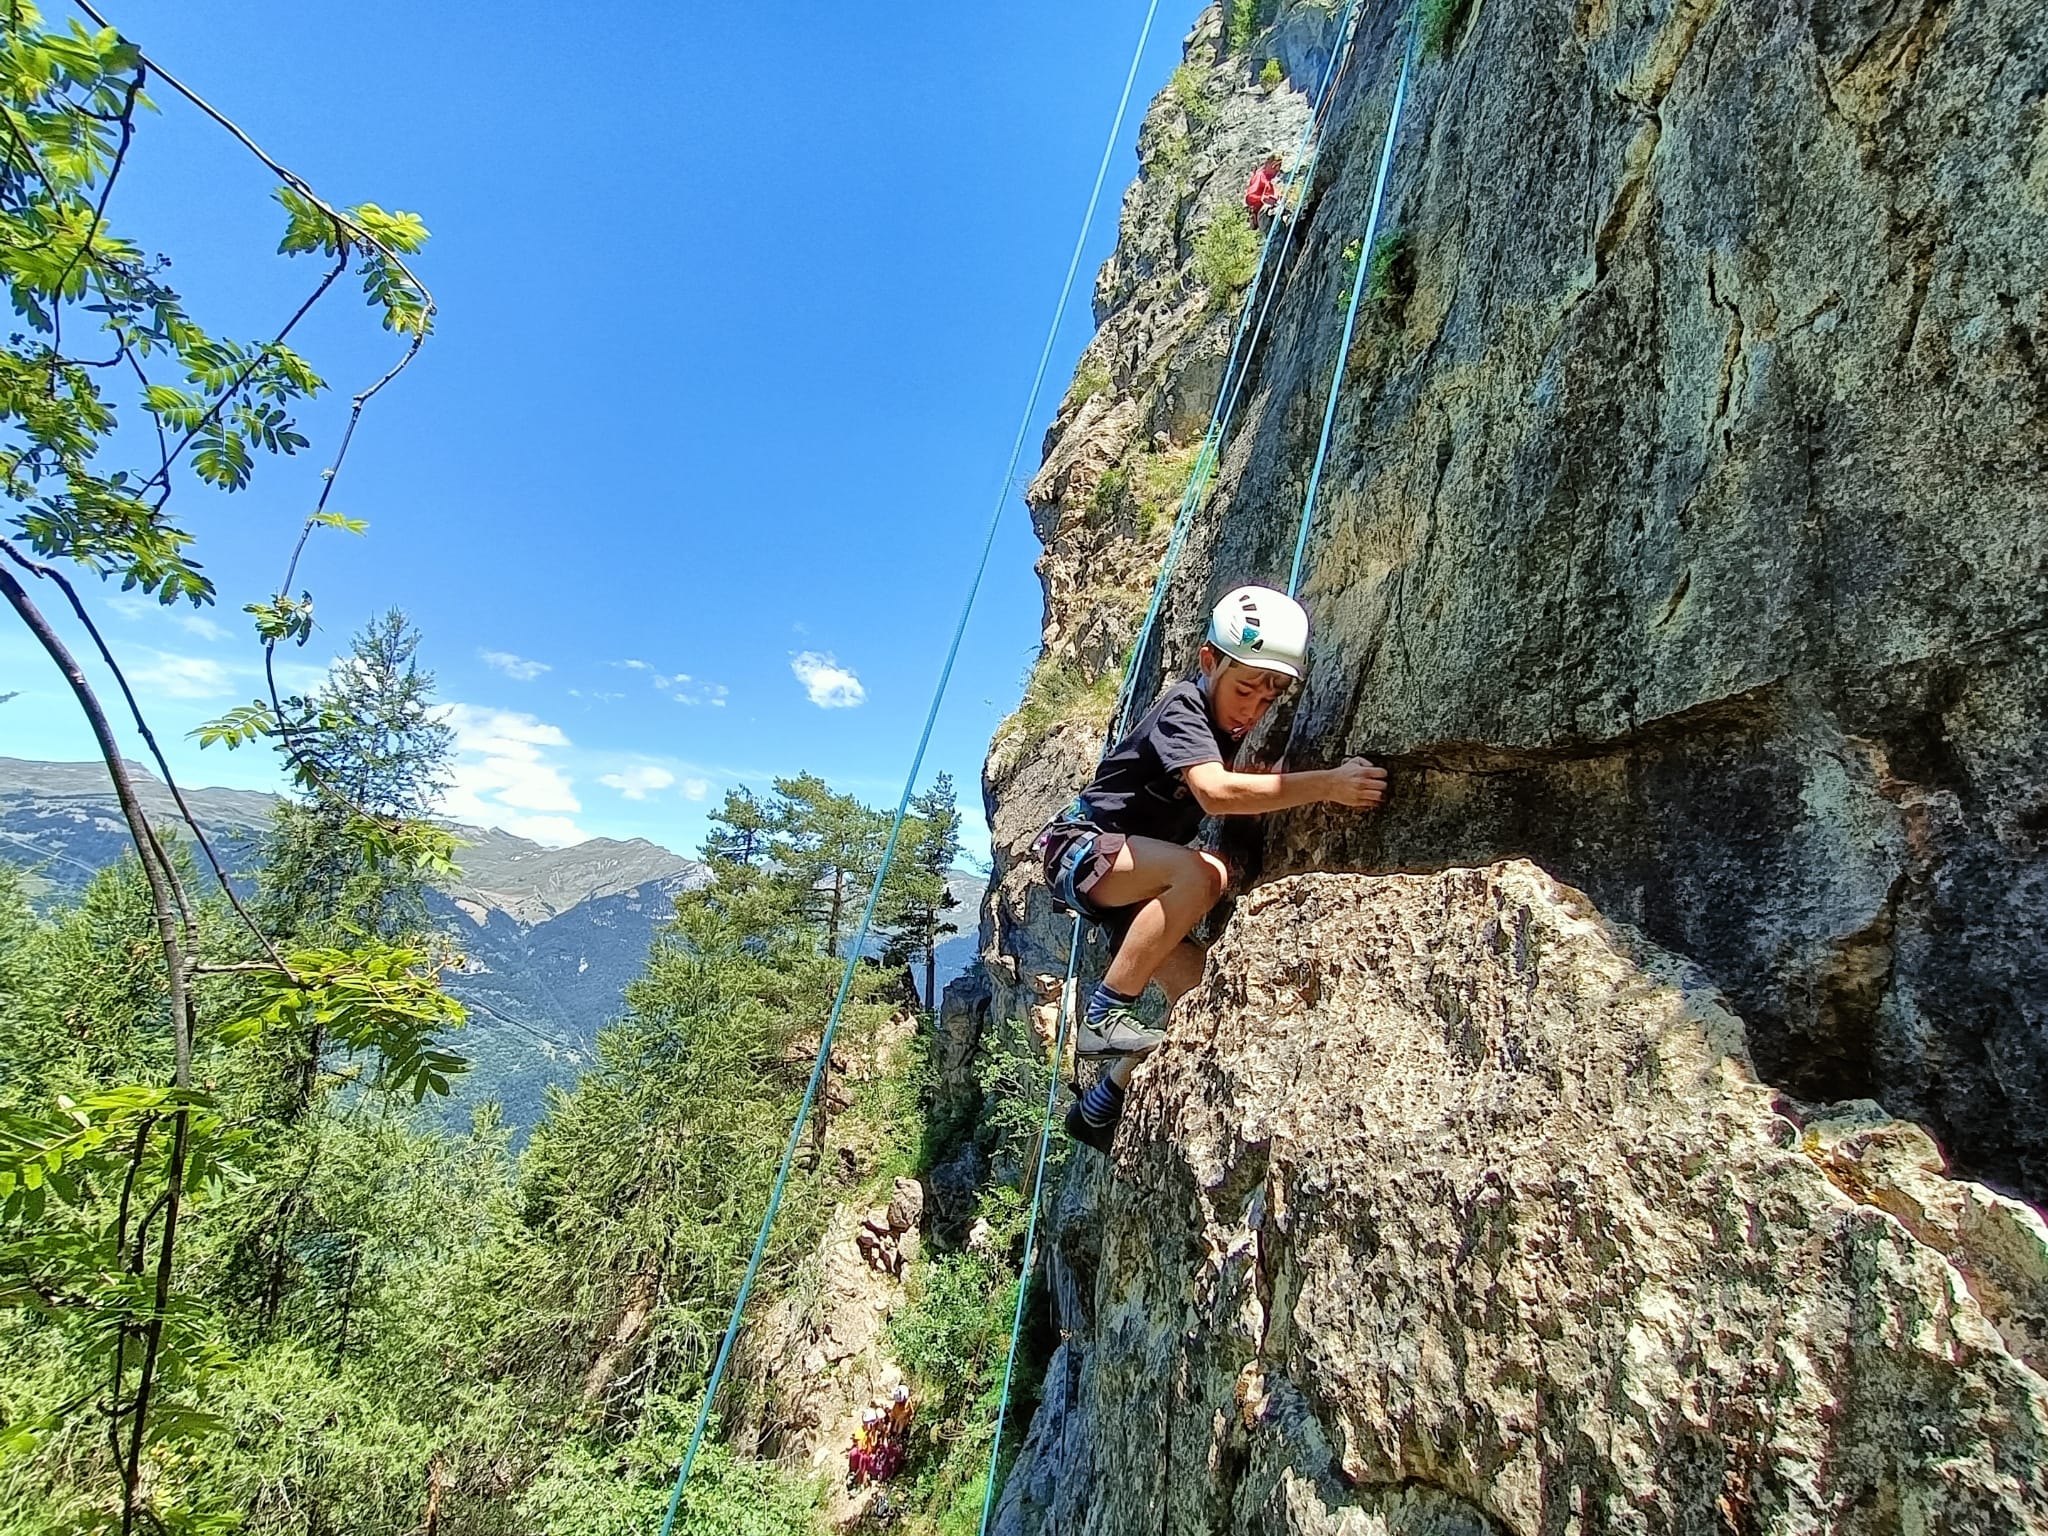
column 739, row 304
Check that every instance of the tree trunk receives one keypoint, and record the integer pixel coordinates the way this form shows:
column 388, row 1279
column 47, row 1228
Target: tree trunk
column 626, row 1339
column 167, row 906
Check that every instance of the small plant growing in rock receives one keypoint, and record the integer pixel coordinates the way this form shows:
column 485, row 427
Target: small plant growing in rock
column 1226, row 256
column 1388, row 281
column 1091, row 378
column 1272, row 74
column 1109, row 493
column 1438, row 22
column 1391, row 277
column 1186, row 87
column 1246, row 17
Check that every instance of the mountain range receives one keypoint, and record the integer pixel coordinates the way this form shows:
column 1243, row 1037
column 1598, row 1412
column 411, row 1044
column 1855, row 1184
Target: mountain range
column 552, row 935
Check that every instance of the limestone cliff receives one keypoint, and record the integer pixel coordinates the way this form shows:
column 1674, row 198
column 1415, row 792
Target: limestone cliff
column 1683, row 535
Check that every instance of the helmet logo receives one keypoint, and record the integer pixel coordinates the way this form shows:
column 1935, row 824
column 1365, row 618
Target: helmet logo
column 1251, row 638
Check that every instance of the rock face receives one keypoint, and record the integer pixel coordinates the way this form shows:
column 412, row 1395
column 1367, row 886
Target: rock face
column 1684, row 532
column 1449, row 1208
column 1685, row 527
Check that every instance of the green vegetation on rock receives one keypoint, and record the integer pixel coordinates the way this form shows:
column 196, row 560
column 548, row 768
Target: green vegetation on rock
column 1226, row 256
column 1437, row 23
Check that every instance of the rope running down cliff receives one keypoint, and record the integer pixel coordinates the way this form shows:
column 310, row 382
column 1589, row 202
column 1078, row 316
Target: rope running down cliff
column 859, row 944
column 1250, row 329
column 1225, row 408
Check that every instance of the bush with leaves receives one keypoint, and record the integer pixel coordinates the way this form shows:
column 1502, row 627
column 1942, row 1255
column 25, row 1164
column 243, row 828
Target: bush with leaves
column 1226, row 257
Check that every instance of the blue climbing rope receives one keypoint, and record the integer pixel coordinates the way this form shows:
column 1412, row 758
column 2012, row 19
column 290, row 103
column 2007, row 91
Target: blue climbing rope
column 1237, row 368
column 1358, row 281
column 1052, row 1089
column 1251, row 326
column 867, row 916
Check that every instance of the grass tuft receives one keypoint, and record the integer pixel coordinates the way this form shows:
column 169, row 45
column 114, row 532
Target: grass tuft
column 1439, row 21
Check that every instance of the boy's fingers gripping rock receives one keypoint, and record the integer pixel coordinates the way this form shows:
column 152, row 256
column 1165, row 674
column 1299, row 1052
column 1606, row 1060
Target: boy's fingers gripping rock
column 1360, row 784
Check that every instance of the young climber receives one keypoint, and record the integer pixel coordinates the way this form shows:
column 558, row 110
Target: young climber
column 1120, row 855
column 1262, row 193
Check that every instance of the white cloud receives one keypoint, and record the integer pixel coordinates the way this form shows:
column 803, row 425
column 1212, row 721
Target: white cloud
column 829, row 685
column 639, row 781
column 181, row 677
column 696, row 789
column 518, row 668
column 502, row 772
column 680, row 686
column 133, row 606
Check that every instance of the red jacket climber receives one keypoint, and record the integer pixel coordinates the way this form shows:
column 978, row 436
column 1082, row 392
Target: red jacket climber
column 1262, row 194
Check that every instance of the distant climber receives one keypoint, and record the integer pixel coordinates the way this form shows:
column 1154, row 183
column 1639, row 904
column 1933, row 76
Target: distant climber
column 1121, row 854
column 1262, row 193
column 881, row 1444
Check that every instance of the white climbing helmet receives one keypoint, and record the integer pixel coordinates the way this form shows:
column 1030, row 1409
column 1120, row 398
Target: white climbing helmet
column 1261, row 628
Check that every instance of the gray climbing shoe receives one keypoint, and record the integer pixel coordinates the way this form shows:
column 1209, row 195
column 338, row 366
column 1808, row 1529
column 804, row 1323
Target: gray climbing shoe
column 1120, row 1032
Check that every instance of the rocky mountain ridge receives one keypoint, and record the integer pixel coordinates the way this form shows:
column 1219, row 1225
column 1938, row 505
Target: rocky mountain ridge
column 552, row 935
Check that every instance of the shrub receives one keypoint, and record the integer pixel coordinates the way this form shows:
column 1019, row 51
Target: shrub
column 1272, row 74
column 1388, row 280
column 1226, row 256
column 1186, row 86
column 1245, row 17
column 1057, row 693
column 1391, row 277
column 1160, row 482
column 1109, row 494
column 1438, row 21
column 1091, row 378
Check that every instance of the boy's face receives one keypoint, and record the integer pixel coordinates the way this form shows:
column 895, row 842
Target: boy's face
column 1239, row 695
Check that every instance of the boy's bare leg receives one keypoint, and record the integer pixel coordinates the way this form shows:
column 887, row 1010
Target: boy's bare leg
column 1177, row 887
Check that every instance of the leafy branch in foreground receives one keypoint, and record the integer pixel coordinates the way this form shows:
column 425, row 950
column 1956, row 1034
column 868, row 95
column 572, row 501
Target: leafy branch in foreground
column 103, row 342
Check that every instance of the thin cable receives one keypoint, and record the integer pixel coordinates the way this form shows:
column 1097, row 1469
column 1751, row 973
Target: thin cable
column 1235, row 371
column 1052, row 1088
column 1238, row 367
column 732, row 1326
column 1372, row 228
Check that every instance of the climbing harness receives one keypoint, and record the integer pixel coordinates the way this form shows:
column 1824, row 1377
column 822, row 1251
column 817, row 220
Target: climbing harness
column 859, row 945
column 1219, row 419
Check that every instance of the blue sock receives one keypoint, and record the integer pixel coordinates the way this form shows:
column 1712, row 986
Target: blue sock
column 1103, row 999
column 1102, row 1104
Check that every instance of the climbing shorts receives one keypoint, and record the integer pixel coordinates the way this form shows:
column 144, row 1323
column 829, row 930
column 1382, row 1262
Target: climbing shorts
column 1076, row 855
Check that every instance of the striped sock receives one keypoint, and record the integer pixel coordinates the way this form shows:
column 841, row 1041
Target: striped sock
column 1102, row 1104
column 1104, row 999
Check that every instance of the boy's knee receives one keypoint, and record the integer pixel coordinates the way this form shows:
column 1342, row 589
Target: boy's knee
column 1216, row 874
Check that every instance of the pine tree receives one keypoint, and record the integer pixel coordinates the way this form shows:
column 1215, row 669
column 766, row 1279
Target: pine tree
column 917, row 899
column 377, row 754
column 825, row 847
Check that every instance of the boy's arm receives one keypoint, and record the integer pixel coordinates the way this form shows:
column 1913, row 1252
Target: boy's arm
column 1222, row 791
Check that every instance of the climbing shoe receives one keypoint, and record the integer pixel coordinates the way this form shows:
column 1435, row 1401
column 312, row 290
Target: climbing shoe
column 1100, row 1137
column 1119, row 1032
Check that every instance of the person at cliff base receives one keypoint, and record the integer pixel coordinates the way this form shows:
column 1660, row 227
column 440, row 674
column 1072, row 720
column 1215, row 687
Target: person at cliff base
column 1122, row 855
column 1262, row 193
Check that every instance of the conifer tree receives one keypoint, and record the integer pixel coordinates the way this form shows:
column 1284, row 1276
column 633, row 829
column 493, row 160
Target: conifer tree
column 917, row 901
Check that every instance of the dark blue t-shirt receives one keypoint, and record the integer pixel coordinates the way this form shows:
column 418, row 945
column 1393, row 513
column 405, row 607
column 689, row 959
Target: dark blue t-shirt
column 1139, row 790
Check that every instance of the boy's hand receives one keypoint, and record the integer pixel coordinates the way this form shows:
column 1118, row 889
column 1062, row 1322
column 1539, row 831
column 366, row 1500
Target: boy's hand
column 1357, row 783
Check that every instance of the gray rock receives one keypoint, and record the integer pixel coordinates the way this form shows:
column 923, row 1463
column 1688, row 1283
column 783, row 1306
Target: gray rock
column 1448, row 1206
